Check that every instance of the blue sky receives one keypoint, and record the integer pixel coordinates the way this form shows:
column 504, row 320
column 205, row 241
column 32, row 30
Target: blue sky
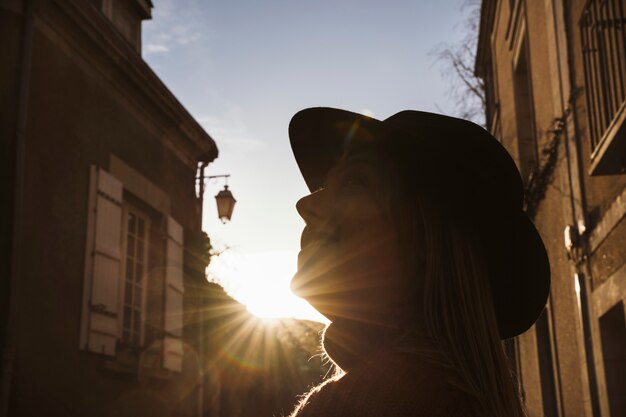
column 243, row 68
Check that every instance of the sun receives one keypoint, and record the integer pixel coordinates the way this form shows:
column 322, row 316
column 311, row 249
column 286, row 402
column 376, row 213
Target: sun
column 261, row 282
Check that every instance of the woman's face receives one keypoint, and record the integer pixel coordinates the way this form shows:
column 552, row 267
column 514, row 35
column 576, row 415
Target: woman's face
column 348, row 266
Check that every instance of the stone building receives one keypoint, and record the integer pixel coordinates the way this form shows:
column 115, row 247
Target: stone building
column 555, row 75
column 102, row 253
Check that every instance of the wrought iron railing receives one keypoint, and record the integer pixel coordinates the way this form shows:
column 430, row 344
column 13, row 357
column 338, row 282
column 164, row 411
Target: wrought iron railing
column 603, row 38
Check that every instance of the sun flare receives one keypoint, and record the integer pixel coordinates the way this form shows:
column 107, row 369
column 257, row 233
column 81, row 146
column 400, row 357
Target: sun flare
column 261, row 282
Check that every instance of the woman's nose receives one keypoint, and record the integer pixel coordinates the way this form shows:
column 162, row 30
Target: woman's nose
column 314, row 207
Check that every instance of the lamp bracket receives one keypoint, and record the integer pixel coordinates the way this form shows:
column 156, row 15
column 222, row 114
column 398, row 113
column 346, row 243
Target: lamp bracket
column 201, row 178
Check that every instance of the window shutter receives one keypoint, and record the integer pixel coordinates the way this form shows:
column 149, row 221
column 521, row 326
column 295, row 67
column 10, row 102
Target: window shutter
column 172, row 342
column 100, row 316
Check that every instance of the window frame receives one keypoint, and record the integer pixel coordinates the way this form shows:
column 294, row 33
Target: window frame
column 604, row 66
column 128, row 208
column 524, row 104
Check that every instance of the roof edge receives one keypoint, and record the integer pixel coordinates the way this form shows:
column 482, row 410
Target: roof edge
column 100, row 31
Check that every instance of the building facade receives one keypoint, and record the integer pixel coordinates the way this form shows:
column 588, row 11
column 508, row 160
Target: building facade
column 555, row 77
column 103, row 256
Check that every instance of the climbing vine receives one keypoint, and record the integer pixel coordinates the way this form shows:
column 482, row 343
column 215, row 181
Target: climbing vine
column 542, row 174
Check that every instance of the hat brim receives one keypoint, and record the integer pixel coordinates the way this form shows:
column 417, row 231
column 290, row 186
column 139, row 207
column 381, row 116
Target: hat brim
column 319, row 136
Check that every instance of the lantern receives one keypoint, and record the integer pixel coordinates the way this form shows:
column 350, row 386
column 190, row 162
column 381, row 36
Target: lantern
column 225, row 204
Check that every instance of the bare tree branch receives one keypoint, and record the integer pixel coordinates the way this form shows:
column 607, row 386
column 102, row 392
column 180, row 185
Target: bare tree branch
column 456, row 63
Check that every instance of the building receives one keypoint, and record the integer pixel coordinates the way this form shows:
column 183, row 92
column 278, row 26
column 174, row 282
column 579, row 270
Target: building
column 102, row 253
column 555, row 76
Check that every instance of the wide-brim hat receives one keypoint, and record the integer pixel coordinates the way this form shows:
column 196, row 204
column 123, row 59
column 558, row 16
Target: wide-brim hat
column 467, row 170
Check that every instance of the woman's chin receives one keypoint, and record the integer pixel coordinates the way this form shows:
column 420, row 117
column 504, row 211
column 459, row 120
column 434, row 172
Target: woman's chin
column 307, row 283
column 334, row 305
column 298, row 284
column 339, row 310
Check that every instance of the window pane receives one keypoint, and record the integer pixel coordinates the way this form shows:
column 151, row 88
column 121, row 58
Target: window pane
column 127, row 317
column 138, row 273
column 132, row 223
column 129, row 269
column 140, row 228
column 136, row 321
column 130, row 246
column 128, row 294
column 126, row 336
column 137, row 297
column 135, row 340
column 139, row 250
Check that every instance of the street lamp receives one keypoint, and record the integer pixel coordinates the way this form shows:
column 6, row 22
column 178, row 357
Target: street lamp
column 224, row 199
column 225, row 204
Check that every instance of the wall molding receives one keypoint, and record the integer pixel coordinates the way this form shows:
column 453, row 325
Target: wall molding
column 139, row 185
column 609, row 220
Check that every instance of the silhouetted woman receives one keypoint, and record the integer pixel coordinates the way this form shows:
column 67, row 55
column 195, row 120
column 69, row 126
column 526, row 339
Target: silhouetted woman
column 417, row 249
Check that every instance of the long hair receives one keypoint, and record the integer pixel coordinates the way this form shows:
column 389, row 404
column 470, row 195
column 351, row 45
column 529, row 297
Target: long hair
column 445, row 258
column 451, row 320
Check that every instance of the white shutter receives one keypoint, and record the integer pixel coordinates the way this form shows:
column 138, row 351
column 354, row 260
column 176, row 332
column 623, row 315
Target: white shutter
column 172, row 342
column 100, row 315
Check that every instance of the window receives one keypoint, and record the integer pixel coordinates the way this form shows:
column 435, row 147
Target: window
column 524, row 113
column 603, row 38
column 135, row 235
column 115, row 304
column 546, row 364
column 613, row 340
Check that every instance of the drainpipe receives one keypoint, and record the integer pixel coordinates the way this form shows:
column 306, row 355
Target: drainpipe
column 203, row 166
column 9, row 349
column 201, row 379
column 582, row 278
column 202, row 355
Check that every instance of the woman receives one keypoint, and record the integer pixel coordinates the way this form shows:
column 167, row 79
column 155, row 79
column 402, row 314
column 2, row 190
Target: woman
column 418, row 251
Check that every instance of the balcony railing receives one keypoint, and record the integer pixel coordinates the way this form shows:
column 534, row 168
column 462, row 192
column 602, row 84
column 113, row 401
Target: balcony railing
column 603, row 38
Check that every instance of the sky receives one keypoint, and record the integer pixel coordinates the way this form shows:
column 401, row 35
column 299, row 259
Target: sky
column 242, row 68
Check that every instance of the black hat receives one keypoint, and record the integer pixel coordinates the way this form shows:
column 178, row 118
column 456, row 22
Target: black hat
column 468, row 170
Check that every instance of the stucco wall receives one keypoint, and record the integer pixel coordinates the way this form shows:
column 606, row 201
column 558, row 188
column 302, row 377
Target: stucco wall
column 77, row 118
